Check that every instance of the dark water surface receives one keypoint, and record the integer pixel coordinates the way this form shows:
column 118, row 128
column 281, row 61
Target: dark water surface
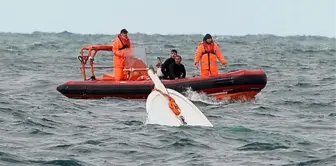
column 291, row 122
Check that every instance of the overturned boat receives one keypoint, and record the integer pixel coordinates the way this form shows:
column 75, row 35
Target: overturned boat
column 237, row 85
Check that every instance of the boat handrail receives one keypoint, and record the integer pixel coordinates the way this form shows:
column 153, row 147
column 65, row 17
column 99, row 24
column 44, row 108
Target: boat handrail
column 135, row 69
column 88, row 53
column 98, row 67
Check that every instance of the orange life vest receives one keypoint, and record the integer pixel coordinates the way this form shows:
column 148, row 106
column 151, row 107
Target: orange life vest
column 119, row 44
column 210, row 52
column 209, row 48
column 126, row 43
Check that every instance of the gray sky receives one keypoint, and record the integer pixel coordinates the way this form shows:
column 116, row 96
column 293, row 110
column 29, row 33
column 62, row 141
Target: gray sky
column 225, row 17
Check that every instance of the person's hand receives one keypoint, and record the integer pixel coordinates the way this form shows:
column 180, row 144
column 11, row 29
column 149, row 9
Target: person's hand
column 127, row 52
column 197, row 65
column 90, row 58
column 120, row 53
column 158, row 65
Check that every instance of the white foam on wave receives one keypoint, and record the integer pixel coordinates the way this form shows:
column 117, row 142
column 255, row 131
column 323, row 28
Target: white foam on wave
column 202, row 97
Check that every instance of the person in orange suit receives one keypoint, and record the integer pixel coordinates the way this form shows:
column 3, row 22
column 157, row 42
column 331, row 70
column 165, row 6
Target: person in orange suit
column 119, row 45
column 206, row 55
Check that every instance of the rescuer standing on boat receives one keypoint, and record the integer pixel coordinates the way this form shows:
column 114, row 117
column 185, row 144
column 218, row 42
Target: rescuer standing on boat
column 119, row 45
column 206, row 55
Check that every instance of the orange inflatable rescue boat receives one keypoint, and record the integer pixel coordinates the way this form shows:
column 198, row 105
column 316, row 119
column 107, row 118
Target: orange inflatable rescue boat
column 237, row 85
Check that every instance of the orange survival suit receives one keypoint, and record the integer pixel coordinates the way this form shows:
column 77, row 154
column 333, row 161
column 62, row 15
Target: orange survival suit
column 118, row 45
column 206, row 55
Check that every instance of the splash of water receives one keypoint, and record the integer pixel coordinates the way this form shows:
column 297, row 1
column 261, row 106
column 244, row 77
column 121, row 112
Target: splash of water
column 204, row 98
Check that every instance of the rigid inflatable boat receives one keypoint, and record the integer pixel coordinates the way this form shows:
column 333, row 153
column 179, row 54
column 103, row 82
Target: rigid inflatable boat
column 238, row 85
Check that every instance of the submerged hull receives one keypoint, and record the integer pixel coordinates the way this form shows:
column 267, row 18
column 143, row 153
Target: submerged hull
column 240, row 84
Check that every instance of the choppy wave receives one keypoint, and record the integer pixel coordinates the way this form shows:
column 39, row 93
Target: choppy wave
column 291, row 122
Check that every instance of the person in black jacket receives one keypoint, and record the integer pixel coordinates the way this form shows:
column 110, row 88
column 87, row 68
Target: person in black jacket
column 167, row 63
column 176, row 69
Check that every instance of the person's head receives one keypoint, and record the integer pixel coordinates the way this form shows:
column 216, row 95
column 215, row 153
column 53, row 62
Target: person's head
column 124, row 33
column 207, row 38
column 178, row 59
column 173, row 53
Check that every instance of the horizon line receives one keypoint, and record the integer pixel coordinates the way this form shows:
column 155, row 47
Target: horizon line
column 168, row 34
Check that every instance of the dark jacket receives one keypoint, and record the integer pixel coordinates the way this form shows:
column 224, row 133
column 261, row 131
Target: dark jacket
column 177, row 71
column 165, row 67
